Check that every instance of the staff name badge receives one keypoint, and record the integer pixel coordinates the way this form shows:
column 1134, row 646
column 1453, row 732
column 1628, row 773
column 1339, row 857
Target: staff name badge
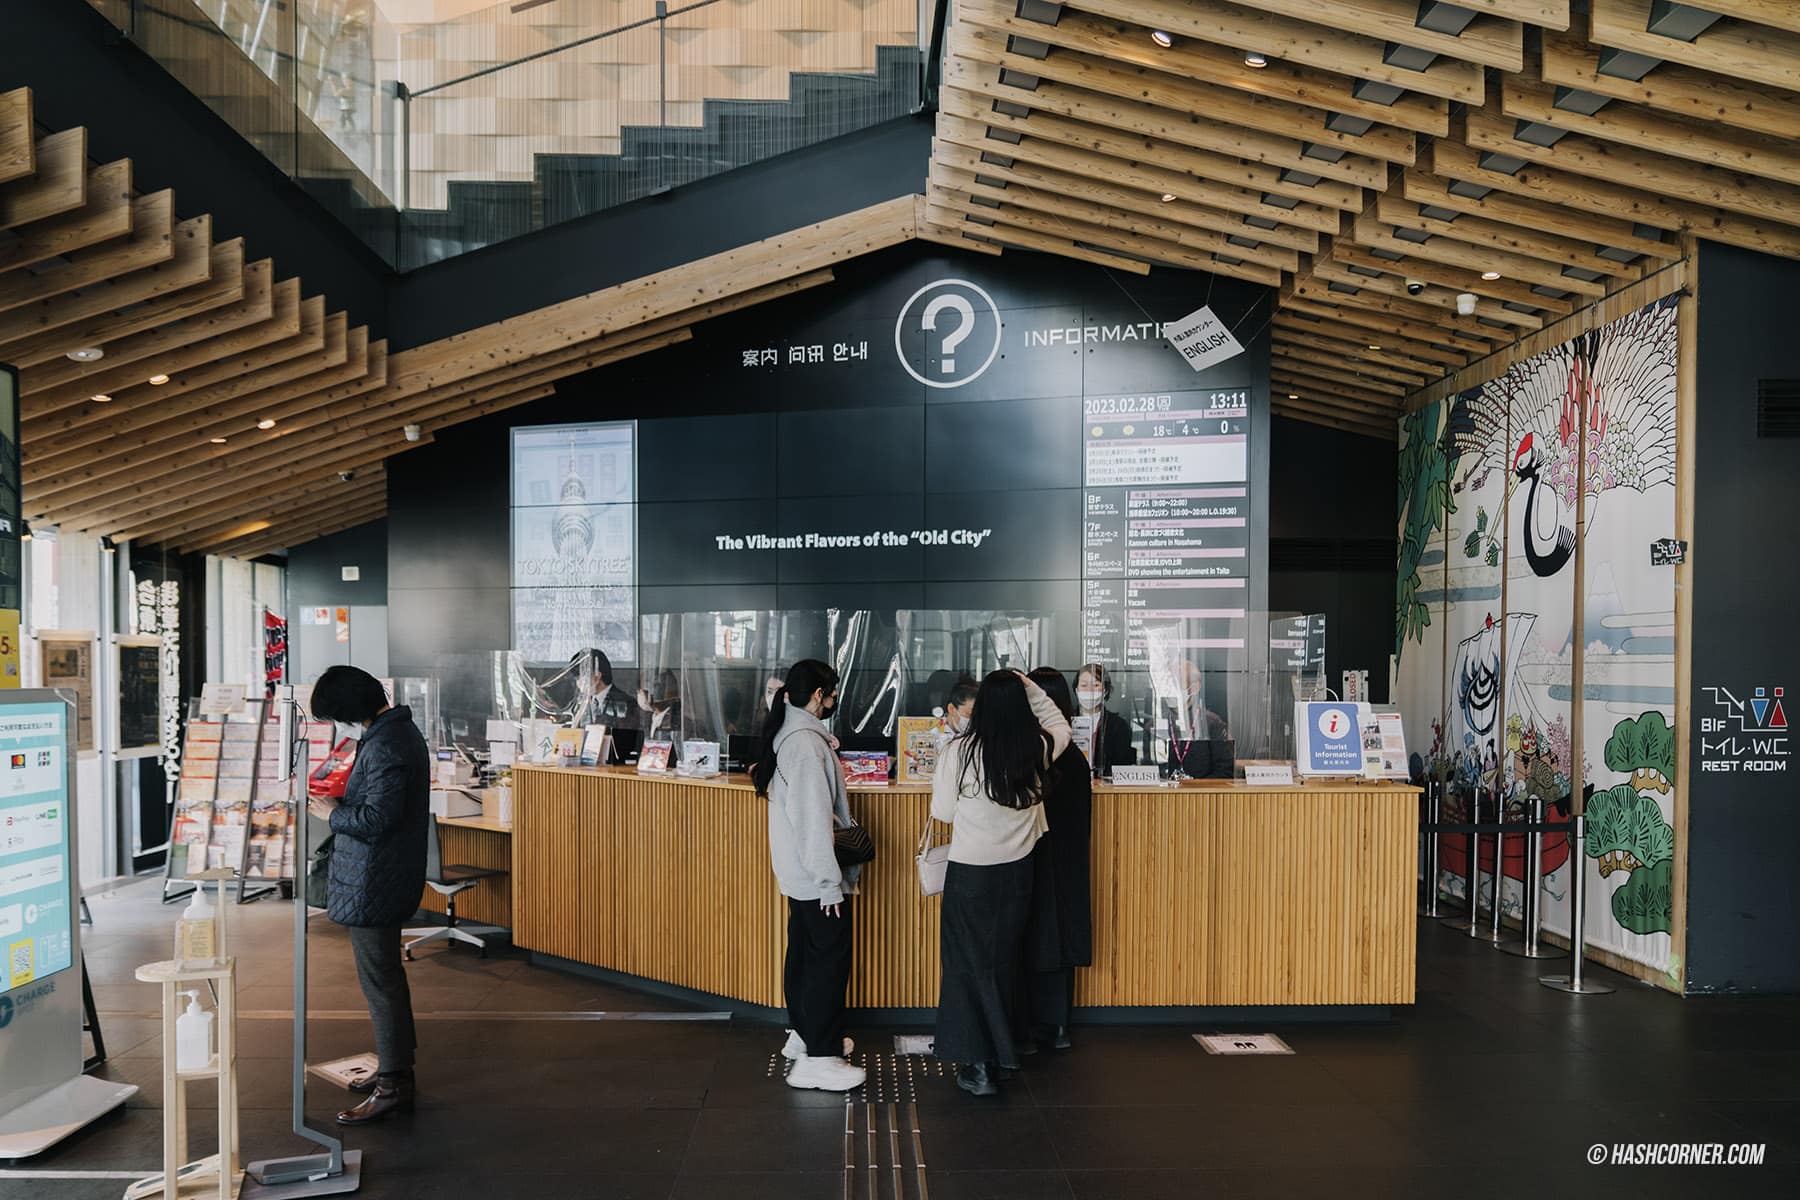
column 1202, row 339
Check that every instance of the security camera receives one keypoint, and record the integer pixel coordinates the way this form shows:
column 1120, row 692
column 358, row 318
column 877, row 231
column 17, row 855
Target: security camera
column 413, row 432
column 1465, row 304
column 346, row 476
column 1414, row 286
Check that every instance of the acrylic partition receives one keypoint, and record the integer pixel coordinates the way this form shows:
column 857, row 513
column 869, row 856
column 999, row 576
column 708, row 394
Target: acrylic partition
column 708, row 676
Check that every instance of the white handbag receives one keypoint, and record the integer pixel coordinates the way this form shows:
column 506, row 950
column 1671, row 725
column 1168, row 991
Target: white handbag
column 933, row 862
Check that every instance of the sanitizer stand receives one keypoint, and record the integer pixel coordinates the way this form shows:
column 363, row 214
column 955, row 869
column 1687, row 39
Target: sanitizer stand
column 337, row 1171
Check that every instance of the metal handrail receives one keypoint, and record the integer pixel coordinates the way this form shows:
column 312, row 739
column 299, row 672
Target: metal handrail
column 663, row 13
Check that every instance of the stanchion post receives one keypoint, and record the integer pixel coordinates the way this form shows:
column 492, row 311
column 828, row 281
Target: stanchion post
column 1573, row 981
column 1534, row 891
column 1499, row 865
column 1434, row 811
column 1472, row 873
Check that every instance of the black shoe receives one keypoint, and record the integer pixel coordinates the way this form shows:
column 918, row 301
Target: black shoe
column 392, row 1093
column 1060, row 1040
column 977, row 1080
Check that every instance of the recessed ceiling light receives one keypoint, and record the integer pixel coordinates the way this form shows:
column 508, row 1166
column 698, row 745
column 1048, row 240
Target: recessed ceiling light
column 217, row 441
column 1168, row 197
column 266, row 423
column 87, row 354
column 1162, row 37
column 1253, row 59
column 1293, row 395
column 158, row 380
column 100, row 398
column 1490, row 274
column 1373, row 346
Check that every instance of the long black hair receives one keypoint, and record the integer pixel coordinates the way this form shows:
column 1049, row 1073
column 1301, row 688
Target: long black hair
column 805, row 677
column 1057, row 688
column 1005, row 738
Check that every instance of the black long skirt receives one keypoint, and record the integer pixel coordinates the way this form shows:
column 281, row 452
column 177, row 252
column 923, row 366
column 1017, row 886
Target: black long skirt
column 982, row 945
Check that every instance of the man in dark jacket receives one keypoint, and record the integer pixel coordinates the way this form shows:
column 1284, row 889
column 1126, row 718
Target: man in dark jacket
column 377, row 867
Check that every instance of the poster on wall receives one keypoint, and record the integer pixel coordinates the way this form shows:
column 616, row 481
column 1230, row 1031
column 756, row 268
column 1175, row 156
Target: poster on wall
column 1597, row 416
column 275, row 651
column 574, row 541
column 139, row 725
column 67, row 663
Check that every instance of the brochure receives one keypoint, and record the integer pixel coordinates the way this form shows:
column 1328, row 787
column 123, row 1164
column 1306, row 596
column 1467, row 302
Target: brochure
column 1393, row 746
column 1082, row 731
column 865, row 768
column 653, row 759
column 594, row 746
column 920, row 742
column 566, row 746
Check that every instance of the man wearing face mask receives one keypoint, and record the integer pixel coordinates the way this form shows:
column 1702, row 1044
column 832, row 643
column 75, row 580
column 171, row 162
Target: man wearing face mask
column 1112, row 738
column 377, row 872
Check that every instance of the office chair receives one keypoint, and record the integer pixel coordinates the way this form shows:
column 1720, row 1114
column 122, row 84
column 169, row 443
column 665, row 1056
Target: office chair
column 448, row 882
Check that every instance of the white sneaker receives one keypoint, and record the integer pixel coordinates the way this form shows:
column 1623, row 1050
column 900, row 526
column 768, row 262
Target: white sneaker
column 796, row 1048
column 826, row 1074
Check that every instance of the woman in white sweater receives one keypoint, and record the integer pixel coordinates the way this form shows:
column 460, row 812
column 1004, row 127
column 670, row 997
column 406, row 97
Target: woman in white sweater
column 989, row 786
column 799, row 775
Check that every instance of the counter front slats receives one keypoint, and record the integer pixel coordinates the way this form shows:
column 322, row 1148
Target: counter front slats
column 1204, row 895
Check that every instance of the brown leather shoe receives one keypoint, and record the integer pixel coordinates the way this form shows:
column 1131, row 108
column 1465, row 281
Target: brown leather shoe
column 364, row 1086
column 390, row 1094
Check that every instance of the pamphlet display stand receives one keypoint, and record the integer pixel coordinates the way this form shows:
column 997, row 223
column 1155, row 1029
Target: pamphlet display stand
column 217, row 1174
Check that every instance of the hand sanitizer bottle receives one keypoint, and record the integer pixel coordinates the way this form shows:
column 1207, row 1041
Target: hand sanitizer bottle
column 197, row 933
column 193, row 1036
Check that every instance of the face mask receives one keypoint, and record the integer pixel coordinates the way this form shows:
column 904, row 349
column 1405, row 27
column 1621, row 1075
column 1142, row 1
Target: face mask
column 353, row 732
column 1090, row 699
column 958, row 724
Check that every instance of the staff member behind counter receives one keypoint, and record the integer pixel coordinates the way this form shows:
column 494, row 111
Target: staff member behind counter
column 1112, row 740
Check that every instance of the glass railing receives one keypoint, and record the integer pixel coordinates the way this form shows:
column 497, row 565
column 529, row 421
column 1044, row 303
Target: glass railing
column 430, row 137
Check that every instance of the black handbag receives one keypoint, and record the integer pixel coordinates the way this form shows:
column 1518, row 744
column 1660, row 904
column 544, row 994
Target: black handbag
column 852, row 845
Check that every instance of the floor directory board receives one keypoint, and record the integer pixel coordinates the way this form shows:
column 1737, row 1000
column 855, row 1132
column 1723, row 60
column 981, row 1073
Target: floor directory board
column 35, row 917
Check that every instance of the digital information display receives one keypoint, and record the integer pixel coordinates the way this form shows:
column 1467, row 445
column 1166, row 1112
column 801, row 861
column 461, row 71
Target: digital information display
column 574, row 541
column 34, row 844
column 1166, row 524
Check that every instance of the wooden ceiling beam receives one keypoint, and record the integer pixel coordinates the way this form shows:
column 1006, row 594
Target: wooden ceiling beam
column 1423, row 341
column 1071, row 158
column 1463, row 333
column 57, row 183
column 1512, row 240
column 1347, row 341
column 1009, row 223
column 105, row 216
column 274, row 505
column 268, row 313
column 1118, row 143
column 1765, row 55
column 1130, row 45
column 1297, row 411
column 1782, row 14
column 1357, row 361
column 1458, row 264
column 18, row 156
column 1176, row 212
column 1701, row 141
column 151, row 241
column 298, row 507
column 251, row 549
column 1299, row 41
column 196, row 276
column 1285, row 389
column 1489, row 40
column 1754, row 209
column 1700, row 95
column 1442, row 285
column 1524, row 212
column 344, row 511
column 1161, row 103
column 1349, row 382
column 927, row 232
column 1055, row 204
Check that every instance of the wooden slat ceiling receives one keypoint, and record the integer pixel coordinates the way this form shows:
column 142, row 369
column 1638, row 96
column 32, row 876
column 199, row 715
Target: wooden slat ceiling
column 1387, row 156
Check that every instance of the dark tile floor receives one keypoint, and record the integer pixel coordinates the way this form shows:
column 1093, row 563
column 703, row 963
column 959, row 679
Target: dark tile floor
column 1489, row 1086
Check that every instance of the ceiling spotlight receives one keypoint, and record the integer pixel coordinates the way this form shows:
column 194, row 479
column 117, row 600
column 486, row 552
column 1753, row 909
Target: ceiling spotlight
column 217, row 441
column 158, row 380
column 1293, row 395
column 1253, row 59
column 1373, row 346
column 266, row 423
column 1490, row 274
column 1168, row 197
column 100, row 398
column 1162, row 37
column 87, row 354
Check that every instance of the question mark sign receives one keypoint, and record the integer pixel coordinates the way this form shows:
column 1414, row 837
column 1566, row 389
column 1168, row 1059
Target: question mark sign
column 965, row 325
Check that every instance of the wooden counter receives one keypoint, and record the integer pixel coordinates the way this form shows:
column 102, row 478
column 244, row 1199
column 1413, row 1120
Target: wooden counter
column 1208, row 894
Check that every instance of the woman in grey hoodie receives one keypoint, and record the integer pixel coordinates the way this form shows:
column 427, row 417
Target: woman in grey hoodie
column 799, row 775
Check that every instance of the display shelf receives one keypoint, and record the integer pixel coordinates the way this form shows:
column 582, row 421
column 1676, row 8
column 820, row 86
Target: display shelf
column 170, row 971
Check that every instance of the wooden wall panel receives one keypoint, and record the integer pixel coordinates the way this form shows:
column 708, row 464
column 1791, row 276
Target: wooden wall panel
column 1210, row 895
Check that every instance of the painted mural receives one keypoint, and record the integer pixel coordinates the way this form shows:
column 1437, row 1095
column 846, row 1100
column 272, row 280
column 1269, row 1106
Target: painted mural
column 1510, row 457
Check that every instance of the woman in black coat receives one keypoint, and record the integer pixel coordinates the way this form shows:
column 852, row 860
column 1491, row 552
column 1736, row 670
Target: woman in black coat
column 1112, row 739
column 377, row 867
column 1061, row 935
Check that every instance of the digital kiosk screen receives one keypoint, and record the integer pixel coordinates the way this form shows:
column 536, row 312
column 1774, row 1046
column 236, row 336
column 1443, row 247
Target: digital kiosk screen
column 34, row 844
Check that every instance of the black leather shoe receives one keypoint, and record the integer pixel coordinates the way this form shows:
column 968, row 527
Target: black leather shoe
column 1061, row 1039
column 977, row 1080
column 390, row 1094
